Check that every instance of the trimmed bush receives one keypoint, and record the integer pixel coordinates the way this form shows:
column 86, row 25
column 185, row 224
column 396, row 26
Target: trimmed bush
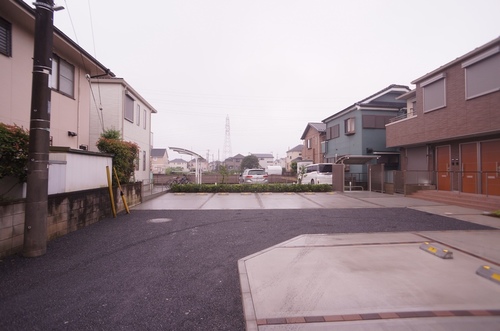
column 14, row 142
column 251, row 188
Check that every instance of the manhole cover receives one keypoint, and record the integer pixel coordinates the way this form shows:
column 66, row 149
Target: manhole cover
column 159, row 220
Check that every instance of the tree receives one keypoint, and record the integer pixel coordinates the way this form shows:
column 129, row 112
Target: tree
column 14, row 142
column 224, row 173
column 249, row 162
column 124, row 153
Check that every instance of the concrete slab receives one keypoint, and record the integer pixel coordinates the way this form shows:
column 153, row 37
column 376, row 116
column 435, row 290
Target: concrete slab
column 337, row 200
column 175, row 201
column 388, row 200
column 314, row 278
column 288, row 201
column 233, row 201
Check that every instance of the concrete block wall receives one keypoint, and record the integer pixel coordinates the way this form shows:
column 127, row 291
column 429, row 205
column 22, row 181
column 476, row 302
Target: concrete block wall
column 11, row 227
column 67, row 212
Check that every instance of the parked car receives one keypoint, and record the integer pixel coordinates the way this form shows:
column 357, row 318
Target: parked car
column 318, row 173
column 253, row 176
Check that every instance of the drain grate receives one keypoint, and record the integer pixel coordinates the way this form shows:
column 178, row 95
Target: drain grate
column 159, row 220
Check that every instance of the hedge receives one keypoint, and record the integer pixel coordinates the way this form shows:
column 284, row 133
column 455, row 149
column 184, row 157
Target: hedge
column 239, row 188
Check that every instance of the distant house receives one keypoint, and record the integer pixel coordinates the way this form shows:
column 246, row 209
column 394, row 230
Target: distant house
column 358, row 131
column 159, row 160
column 265, row 160
column 314, row 135
column 450, row 133
column 234, row 162
column 179, row 163
column 200, row 162
column 293, row 155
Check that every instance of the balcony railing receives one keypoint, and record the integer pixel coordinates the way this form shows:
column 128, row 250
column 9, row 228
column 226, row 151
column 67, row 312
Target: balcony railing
column 408, row 114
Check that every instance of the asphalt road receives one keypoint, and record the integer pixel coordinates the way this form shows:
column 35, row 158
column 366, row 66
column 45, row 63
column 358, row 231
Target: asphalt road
column 178, row 273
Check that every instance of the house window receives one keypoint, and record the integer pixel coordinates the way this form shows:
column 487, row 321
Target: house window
column 309, row 143
column 482, row 74
column 349, row 126
column 5, row 37
column 434, row 92
column 145, row 117
column 138, row 116
column 143, row 160
column 333, row 132
column 63, row 76
column 375, row 121
column 129, row 108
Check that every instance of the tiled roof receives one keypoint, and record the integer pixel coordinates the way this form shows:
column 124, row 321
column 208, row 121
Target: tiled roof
column 369, row 101
column 158, row 152
column 320, row 127
column 177, row 161
column 297, row 148
column 263, row 155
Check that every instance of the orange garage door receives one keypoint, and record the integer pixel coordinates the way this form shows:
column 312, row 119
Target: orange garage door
column 490, row 167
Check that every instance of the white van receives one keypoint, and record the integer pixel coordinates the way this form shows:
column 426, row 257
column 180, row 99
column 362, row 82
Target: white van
column 318, row 173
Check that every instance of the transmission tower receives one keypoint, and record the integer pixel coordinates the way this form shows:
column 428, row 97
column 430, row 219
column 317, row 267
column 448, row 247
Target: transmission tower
column 227, row 142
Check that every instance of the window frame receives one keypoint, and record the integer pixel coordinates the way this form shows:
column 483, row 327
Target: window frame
column 475, row 62
column 333, row 132
column 426, row 85
column 58, row 75
column 6, row 26
column 138, row 115
column 128, row 111
column 350, row 126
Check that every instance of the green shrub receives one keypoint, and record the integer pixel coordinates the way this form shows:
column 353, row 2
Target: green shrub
column 125, row 154
column 248, row 188
column 14, row 142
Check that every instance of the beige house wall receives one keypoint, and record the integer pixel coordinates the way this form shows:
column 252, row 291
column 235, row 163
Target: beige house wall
column 67, row 113
column 159, row 164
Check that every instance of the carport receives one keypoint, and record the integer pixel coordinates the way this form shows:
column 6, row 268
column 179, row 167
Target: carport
column 338, row 171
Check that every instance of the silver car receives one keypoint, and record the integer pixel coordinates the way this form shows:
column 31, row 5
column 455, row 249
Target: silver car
column 253, row 176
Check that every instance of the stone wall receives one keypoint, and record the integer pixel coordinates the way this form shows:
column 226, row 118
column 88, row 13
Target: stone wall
column 67, row 212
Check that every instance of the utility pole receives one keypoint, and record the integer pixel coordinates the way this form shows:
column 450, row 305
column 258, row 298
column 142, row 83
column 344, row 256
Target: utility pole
column 35, row 223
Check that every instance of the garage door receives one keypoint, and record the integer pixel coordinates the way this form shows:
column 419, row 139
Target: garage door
column 490, row 167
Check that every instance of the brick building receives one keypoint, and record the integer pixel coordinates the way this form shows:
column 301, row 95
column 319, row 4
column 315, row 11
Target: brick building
column 450, row 133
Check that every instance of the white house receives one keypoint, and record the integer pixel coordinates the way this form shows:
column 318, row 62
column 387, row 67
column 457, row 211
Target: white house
column 293, row 155
column 179, row 163
column 265, row 160
column 159, row 160
column 122, row 108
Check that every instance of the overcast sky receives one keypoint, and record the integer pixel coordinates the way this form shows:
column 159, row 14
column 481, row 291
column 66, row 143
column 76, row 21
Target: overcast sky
column 272, row 66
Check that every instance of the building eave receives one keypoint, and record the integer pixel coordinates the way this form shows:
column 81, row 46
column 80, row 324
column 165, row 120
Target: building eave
column 458, row 60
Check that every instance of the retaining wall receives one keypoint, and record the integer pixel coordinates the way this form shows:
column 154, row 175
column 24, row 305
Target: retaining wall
column 67, row 212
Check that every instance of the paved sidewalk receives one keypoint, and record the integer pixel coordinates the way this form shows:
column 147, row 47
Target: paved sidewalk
column 377, row 281
column 330, row 200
